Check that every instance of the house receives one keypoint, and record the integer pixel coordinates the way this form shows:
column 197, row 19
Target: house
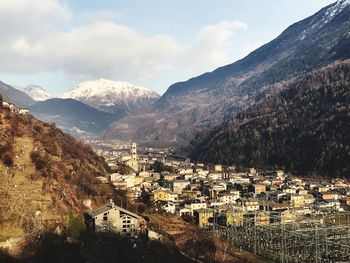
column 5, row 104
column 204, row 217
column 102, row 179
column 111, row 217
column 248, row 204
column 234, row 216
column 164, row 195
column 214, row 176
column 23, row 111
column 301, row 200
column 170, row 177
column 186, row 171
column 218, row 168
column 139, row 180
column 185, row 212
column 330, row 195
column 167, row 206
column 123, row 181
column 259, row 188
column 228, row 197
column 178, row 185
column 262, row 218
column 195, row 205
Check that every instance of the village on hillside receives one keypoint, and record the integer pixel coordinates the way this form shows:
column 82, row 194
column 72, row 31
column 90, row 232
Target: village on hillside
column 252, row 207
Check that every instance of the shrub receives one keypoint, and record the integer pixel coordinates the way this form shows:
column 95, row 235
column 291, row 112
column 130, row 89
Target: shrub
column 8, row 161
column 75, row 226
column 39, row 161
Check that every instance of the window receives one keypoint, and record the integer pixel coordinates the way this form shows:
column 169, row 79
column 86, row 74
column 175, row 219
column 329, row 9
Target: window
column 105, row 217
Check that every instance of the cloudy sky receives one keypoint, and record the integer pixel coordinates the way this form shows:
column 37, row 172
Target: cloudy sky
column 152, row 43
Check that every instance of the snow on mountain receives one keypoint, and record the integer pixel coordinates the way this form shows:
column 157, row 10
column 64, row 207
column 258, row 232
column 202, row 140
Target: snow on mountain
column 106, row 94
column 37, row 93
column 335, row 9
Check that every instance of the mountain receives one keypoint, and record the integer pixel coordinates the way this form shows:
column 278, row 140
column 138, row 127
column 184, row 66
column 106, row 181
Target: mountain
column 304, row 128
column 212, row 98
column 37, row 93
column 119, row 98
column 15, row 96
column 72, row 116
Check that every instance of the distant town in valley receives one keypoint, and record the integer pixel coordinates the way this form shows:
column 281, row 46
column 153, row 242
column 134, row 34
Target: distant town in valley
column 249, row 162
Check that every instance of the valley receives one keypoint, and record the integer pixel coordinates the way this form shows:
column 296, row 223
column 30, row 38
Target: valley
column 245, row 161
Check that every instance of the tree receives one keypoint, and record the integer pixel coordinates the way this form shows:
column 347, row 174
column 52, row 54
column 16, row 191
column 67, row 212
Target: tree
column 159, row 167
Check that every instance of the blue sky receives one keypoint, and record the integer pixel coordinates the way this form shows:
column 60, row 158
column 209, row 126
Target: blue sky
column 152, row 43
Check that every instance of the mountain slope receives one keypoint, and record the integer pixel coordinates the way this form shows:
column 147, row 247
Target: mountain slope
column 45, row 175
column 73, row 116
column 304, row 128
column 15, row 96
column 119, row 98
column 37, row 93
column 208, row 100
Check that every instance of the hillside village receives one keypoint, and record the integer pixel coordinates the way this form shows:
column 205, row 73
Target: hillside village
column 250, row 207
column 203, row 192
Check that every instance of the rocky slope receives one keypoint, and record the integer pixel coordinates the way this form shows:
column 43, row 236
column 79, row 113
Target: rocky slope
column 116, row 97
column 304, row 128
column 208, row 100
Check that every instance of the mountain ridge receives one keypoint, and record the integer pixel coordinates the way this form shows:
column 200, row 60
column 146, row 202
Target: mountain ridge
column 209, row 99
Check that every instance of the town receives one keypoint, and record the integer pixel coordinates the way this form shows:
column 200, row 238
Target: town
column 245, row 204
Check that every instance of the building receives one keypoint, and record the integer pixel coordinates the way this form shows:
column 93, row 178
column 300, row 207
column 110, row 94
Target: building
column 248, row 204
column 228, row 197
column 204, row 217
column 218, row 168
column 160, row 194
column 259, row 188
column 167, row 206
column 195, row 206
column 133, row 151
column 23, row 111
column 111, row 217
column 139, row 180
column 234, row 216
column 178, row 185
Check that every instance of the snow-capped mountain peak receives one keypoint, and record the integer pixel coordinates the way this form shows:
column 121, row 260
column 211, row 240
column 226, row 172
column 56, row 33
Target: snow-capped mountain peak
column 104, row 87
column 37, row 93
column 106, row 94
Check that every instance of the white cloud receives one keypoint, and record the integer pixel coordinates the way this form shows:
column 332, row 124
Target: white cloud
column 37, row 36
column 35, row 42
column 210, row 48
column 100, row 15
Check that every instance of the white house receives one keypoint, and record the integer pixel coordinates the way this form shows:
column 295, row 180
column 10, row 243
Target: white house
column 23, row 111
column 111, row 217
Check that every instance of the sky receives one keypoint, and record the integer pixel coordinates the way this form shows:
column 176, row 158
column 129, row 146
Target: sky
column 57, row 44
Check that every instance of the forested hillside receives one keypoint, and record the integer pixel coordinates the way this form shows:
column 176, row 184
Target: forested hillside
column 305, row 128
